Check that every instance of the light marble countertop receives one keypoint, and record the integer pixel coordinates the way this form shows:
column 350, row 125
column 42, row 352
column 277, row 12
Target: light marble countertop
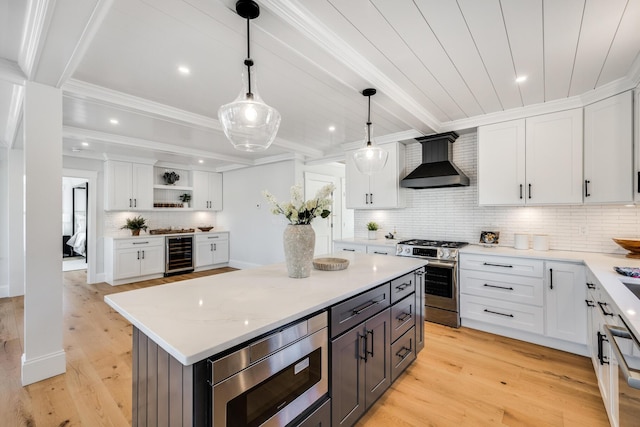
column 145, row 235
column 370, row 242
column 197, row 318
column 600, row 264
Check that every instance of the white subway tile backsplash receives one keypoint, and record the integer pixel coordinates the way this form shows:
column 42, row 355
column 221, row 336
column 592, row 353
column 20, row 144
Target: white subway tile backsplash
column 454, row 214
column 113, row 221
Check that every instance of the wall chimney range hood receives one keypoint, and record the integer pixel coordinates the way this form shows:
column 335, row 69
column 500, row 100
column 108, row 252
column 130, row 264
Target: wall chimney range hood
column 436, row 170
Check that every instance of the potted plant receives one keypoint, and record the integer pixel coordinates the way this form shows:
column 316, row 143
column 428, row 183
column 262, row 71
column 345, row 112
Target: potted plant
column 186, row 197
column 373, row 228
column 135, row 225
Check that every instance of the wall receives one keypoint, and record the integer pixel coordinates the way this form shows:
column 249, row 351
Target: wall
column 454, row 214
column 4, row 223
column 256, row 234
column 113, row 221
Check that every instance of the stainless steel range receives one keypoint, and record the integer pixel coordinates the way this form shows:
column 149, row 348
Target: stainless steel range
column 441, row 294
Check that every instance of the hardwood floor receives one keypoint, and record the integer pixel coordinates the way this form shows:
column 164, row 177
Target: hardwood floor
column 462, row 378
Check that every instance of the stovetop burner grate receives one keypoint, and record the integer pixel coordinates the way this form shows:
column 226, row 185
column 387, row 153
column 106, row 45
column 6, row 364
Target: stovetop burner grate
column 433, row 243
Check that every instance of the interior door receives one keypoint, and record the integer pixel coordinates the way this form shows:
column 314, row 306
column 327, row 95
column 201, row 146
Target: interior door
column 322, row 226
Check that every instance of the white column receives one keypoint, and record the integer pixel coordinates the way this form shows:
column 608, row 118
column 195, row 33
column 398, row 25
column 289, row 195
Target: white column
column 44, row 354
column 4, row 223
column 16, row 220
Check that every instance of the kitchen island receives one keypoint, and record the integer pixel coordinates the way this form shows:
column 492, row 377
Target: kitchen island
column 184, row 324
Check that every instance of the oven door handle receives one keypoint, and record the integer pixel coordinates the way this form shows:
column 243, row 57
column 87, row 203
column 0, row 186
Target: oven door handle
column 632, row 375
column 441, row 264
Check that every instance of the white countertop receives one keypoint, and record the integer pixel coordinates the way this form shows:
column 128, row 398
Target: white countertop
column 376, row 242
column 600, row 264
column 198, row 318
column 145, row 235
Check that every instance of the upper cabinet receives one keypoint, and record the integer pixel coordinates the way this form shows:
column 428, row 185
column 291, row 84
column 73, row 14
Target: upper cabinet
column 533, row 161
column 128, row 186
column 378, row 191
column 636, row 127
column 207, row 191
column 608, row 150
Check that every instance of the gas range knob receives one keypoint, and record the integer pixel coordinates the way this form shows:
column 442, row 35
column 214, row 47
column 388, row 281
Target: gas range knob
column 445, row 254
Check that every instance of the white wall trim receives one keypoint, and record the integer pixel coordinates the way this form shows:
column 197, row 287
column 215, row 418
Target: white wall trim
column 392, row 137
column 38, row 19
column 92, row 235
column 242, row 265
column 4, row 291
column 15, row 115
column 11, row 72
column 43, row 367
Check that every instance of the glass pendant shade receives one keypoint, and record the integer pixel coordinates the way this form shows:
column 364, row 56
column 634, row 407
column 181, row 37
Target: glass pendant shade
column 370, row 159
column 249, row 123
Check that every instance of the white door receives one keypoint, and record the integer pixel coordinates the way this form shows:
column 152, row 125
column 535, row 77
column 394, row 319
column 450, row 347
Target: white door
column 127, row 263
column 204, row 253
column 565, row 309
column 200, row 190
column 221, row 252
column 322, row 226
column 151, row 260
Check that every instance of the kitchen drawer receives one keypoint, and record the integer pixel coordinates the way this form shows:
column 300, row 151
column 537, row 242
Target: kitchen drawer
column 139, row 242
column 502, row 313
column 520, row 289
column 353, row 311
column 403, row 352
column 211, row 237
column 349, row 247
column 381, row 250
column 403, row 317
column 402, row 286
column 506, row 265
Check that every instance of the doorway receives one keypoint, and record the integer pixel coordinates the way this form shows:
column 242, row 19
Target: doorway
column 324, row 227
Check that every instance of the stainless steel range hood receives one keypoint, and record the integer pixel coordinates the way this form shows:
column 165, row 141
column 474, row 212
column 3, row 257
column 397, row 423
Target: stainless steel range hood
column 436, row 170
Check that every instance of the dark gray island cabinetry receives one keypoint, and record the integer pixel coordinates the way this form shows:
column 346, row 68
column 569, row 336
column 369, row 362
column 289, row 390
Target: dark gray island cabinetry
column 261, row 347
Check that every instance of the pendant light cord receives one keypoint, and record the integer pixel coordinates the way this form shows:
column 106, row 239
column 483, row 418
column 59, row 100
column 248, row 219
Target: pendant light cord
column 248, row 62
column 369, row 124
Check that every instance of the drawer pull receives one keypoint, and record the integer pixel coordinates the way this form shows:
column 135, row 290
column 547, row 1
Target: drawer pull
column 403, row 317
column 367, row 306
column 507, row 288
column 605, row 312
column 590, row 286
column 551, row 278
column 380, row 253
column 403, row 286
column 363, row 341
column 403, row 352
column 604, row 360
column 370, row 353
column 140, row 243
column 348, row 250
column 589, row 303
column 490, row 264
column 213, row 237
column 495, row 312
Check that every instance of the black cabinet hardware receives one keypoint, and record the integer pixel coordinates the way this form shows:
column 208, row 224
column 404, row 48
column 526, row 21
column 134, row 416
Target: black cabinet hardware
column 529, row 190
column 495, row 312
column 498, row 265
column 140, row 243
column 379, row 253
column 586, row 188
column 520, row 191
column 589, row 303
column 403, row 286
column 138, row 254
column 551, row 278
column 130, row 203
column 363, row 347
column 602, row 308
column 371, row 198
column 507, row 288
column 590, row 286
column 638, row 181
column 601, row 338
column 370, row 353
column 403, row 317
column 403, row 352
column 367, row 306
column 348, row 250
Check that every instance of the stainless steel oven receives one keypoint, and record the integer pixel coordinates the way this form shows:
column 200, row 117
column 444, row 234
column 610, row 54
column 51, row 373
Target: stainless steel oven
column 274, row 380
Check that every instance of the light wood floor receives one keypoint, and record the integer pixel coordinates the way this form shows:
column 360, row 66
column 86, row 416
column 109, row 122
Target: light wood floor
column 462, row 378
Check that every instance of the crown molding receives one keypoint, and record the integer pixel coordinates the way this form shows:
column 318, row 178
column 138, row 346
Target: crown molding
column 384, row 139
column 15, row 115
column 291, row 12
column 11, row 72
column 38, row 19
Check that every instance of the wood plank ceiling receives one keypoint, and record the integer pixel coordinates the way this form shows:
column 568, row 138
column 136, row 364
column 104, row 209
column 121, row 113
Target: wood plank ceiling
column 437, row 64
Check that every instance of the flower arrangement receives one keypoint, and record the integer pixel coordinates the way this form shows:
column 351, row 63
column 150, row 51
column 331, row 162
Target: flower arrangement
column 297, row 211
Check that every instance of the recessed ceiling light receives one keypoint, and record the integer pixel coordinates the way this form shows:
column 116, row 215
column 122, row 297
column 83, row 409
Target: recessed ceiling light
column 185, row 71
column 332, row 128
column 76, row 149
column 200, row 161
column 85, row 144
column 114, row 121
column 520, row 79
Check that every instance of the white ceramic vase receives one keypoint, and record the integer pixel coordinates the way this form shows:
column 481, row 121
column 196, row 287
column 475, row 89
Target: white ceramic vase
column 372, row 234
column 299, row 243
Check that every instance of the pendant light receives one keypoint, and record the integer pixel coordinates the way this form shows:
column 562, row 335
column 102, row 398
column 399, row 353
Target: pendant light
column 249, row 123
column 370, row 159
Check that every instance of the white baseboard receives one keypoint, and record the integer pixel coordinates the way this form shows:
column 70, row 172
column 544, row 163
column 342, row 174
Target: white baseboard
column 100, row 277
column 43, row 367
column 4, row 291
column 242, row 265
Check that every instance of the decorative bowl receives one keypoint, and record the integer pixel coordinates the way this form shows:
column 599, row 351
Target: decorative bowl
column 630, row 244
column 330, row 264
column 204, row 228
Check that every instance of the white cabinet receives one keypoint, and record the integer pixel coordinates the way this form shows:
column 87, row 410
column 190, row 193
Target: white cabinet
column 212, row 249
column 349, row 247
column 130, row 260
column 534, row 161
column 378, row 191
column 128, row 186
column 169, row 196
column 381, row 249
column 565, row 310
column 207, row 190
column 366, row 247
column 636, row 122
column 608, row 150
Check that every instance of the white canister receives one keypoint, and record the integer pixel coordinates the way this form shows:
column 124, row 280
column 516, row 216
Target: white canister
column 521, row 241
column 540, row 242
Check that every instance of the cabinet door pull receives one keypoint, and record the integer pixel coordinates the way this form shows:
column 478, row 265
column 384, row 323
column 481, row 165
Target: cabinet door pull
column 403, row 317
column 589, row 303
column 490, row 264
column 403, row 286
column 506, row 288
column 520, row 191
column 551, row 278
column 212, row 247
column 380, row 253
column 529, row 190
column 586, row 188
column 590, row 286
column 138, row 254
column 403, row 352
column 362, row 347
column 601, row 338
column 495, row 312
column 348, row 250
column 215, row 248
column 366, row 198
column 135, row 203
column 371, row 198
column 140, row 243
column 142, row 254
column 130, row 204
column 370, row 332
column 638, row 181
column 367, row 306
column 605, row 312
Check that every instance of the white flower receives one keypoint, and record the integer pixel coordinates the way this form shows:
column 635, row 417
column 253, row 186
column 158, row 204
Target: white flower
column 298, row 211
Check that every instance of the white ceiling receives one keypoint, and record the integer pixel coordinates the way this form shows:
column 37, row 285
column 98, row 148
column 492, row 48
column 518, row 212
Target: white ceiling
column 438, row 65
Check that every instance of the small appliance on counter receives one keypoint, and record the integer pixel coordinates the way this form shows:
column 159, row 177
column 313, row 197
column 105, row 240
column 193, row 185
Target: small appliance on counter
column 540, row 242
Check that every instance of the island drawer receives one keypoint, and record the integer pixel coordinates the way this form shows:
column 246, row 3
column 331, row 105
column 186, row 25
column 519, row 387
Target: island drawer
column 403, row 352
column 402, row 317
column 500, row 264
column 402, row 286
column 353, row 311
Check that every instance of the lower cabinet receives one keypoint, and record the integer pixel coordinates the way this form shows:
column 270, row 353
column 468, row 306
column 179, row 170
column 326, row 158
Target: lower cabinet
column 211, row 249
column 128, row 259
column 360, row 370
column 321, row 417
column 565, row 311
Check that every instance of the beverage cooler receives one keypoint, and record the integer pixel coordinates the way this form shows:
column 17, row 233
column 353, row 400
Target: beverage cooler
column 178, row 254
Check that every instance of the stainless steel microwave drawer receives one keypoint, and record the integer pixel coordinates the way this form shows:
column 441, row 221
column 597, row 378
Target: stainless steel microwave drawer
column 402, row 286
column 349, row 313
